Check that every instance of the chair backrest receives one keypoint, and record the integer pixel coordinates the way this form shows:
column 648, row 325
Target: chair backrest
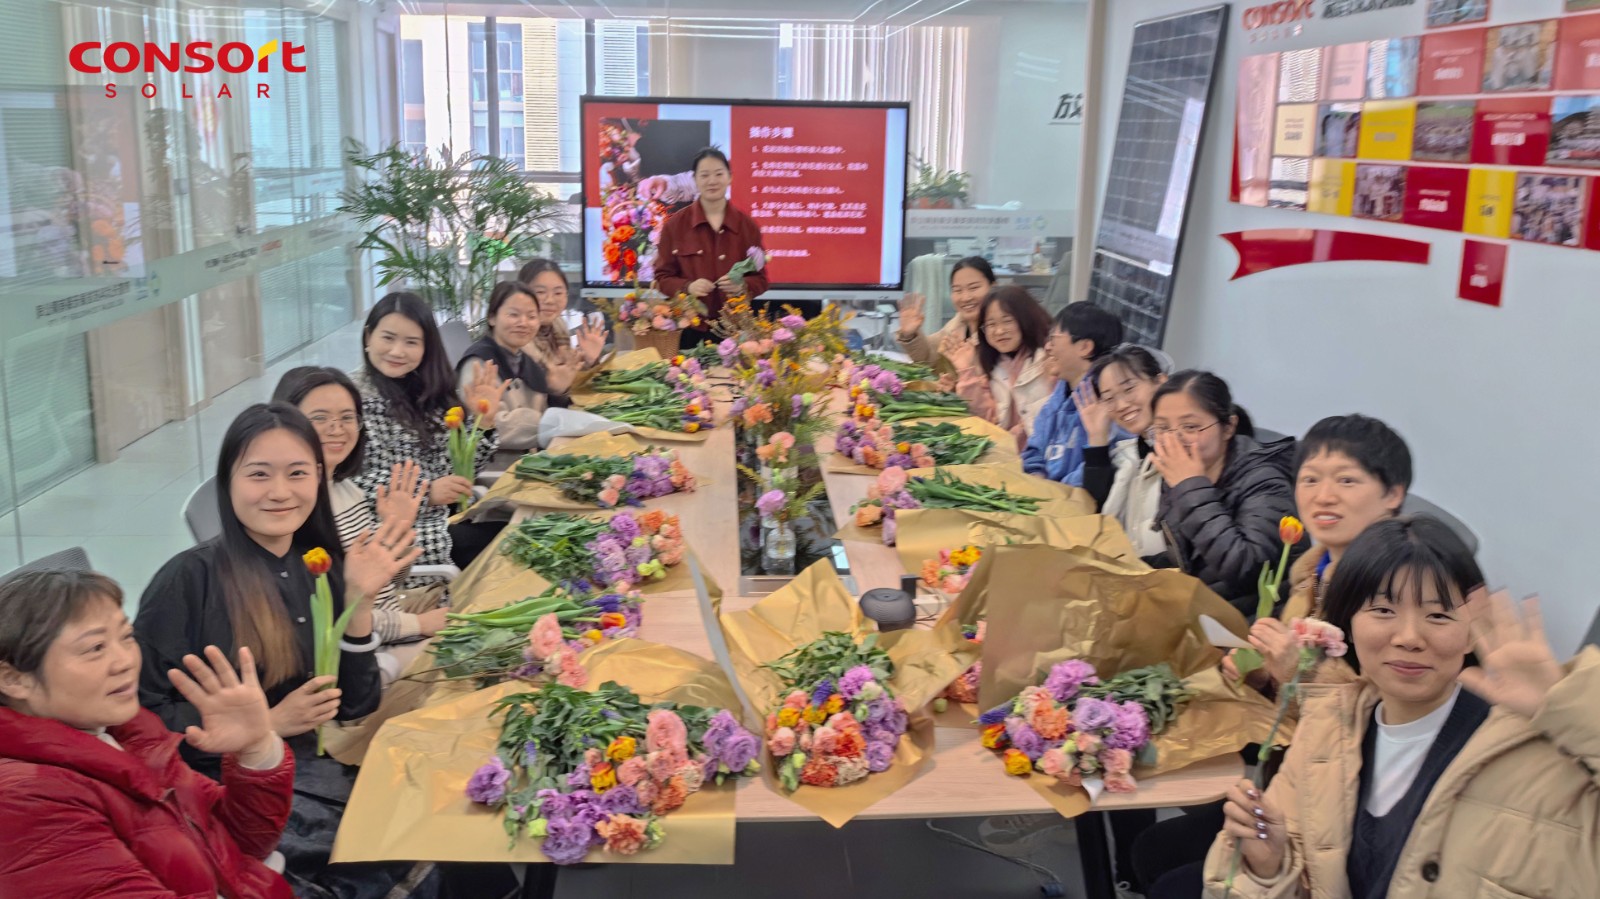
column 200, row 512
column 1416, row 505
column 73, row 558
column 456, row 339
column 1268, row 435
column 1593, row 639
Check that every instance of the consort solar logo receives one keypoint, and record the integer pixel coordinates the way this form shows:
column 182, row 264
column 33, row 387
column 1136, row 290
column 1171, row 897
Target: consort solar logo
column 1281, row 13
column 194, row 57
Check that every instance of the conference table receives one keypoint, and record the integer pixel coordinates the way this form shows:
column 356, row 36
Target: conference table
column 965, row 779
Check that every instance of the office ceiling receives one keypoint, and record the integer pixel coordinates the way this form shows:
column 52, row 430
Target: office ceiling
column 858, row 12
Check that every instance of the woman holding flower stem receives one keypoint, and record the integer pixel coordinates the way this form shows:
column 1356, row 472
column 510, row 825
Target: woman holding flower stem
column 701, row 243
column 1465, row 761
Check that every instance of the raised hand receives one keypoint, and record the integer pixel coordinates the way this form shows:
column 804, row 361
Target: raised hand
column 1093, row 412
column 374, row 559
column 912, row 315
column 591, row 342
column 1516, row 668
column 483, row 395
column 234, row 718
column 561, row 371
column 962, row 353
column 400, row 499
column 1175, row 460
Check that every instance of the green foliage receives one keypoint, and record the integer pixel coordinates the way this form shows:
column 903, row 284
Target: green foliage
column 830, row 656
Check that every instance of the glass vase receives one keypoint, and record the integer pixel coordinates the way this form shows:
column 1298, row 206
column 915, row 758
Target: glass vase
column 778, row 546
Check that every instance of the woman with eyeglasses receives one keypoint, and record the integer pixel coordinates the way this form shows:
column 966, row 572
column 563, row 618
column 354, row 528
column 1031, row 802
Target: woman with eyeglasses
column 1122, row 477
column 514, row 322
column 331, row 401
column 970, row 282
column 550, row 343
column 1223, row 493
column 1006, row 377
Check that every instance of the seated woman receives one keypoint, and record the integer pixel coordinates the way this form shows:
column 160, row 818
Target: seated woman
column 251, row 587
column 513, row 322
column 1122, row 477
column 551, row 344
column 1224, row 494
column 94, row 798
column 329, row 399
column 1006, row 377
column 406, row 387
column 1426, row 777
column 1081, row 334
column 970, row 282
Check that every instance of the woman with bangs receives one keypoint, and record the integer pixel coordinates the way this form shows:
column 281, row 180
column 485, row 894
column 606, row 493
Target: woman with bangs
column 1462, row 762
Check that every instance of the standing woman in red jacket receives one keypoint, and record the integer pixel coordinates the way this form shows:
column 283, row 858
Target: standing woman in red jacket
column 702, row 241
column 94, row 798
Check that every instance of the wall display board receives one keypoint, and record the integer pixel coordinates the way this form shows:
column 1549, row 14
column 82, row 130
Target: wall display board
column 1479, row 130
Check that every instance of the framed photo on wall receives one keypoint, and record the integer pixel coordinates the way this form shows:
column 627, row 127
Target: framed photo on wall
column 1442, row 13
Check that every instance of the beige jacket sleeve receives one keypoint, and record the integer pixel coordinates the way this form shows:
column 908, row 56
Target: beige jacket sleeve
column 918, row 348
column 1570, row 717
column 1289, row 883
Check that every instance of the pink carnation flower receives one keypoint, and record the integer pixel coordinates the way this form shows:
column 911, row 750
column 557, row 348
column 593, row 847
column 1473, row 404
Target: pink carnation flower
column 665, row 730
column 892, row 480
column 782, row 741
column 545, row 637
column 1314, row 633
column 630, row 772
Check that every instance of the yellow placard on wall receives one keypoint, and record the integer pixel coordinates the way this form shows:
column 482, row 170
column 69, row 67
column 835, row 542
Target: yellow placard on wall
column 1386, row 129
column 1490, row 195
column 1296, row 133
column 1333, row 183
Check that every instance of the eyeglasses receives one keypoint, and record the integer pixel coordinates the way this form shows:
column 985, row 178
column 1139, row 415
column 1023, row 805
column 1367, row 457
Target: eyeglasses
column 1000, row 325
column 1186, row 430
column 351, row 422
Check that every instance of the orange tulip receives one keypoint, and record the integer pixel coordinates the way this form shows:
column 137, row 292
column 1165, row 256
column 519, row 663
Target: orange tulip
column 483, row 407
column 318, row 562
column 1290, row 530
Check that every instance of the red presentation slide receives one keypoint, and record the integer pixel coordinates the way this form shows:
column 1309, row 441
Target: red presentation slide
column 824, row 183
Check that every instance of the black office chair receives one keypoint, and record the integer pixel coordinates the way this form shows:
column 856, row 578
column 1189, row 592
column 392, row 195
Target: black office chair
column 1416, row 505
column 1593, row 638
column 73, row 558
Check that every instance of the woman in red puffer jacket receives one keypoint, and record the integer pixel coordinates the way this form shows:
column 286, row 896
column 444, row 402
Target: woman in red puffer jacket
column 94, row 798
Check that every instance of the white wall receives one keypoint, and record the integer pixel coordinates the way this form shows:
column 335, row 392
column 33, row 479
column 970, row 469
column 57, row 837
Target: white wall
column 1495, row 403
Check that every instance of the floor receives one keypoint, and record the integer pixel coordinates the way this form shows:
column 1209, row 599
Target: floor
column 128, row 514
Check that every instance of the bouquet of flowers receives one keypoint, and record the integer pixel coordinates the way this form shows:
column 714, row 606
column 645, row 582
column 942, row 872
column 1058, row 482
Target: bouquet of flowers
column 601, row 770
column 609, row 481
column 462, row 444
column 778, row 396
column 965, row 687
column 680, row 405
column 909, row 404
column 952, row 569
column 905, row 371
column 640, row 312
column 748, row 334
column 517, row 640
column 1073, row 727
column 839, row 721
column 896, row 490
column 648, row 378
column 580, row 552
column 872, row 443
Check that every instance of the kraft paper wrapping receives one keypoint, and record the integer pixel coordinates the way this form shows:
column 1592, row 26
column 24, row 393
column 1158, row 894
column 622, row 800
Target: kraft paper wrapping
column 1059, row 501
column 924, row 532
column 1004, row 451
column 584, row 399
column 815, row 602
column 1047, row 605
column 409, row 802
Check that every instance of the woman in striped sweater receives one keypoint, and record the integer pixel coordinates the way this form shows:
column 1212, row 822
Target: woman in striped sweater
column 329, row 398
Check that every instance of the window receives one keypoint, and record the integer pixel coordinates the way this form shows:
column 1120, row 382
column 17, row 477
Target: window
column 411, row 70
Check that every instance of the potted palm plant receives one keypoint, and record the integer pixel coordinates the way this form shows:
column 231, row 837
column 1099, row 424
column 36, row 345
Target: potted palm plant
column 442, row 224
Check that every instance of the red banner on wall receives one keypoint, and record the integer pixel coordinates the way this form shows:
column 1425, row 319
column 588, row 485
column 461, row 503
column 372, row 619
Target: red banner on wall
column 1436, row 197
column 1511, row 131
column 1264, row 249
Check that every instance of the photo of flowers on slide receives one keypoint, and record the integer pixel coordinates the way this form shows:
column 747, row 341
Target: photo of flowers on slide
column 1549, row 209
column 1380, row 192
column 644, row 177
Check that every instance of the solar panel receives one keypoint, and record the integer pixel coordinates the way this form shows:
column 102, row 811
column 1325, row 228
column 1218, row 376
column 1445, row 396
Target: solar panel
column 1164, row 101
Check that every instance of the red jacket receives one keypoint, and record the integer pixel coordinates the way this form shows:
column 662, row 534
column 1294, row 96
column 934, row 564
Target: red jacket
column 80, row 818
column 690, row 250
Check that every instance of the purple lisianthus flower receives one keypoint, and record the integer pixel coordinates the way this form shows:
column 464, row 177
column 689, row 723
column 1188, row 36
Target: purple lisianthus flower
column 554, row 804
column 579, row 776
column 586, row 808
column 879, row 756
column 721, row 726
column 530, row 754
column 488, row 784
column 889, row 529
column 639, row 554
column 766, row 378
column 844, row 445
column 821, row 692
column 850, row 685
column 879, row 732
column 625, row 526
column 620, row 800
column 782, row 335
column 1026, row 739
column 797, row 405
column 1130, row 727
column 771, row 502
column 739, row 750
column 739, row 405
column 566, row 841
column 897, row 720
column 728, row 351
column 887, row 382
column 1093, row 714
column 897, row 460
column 1067, row 677
column 996, row 715
column 793, row 322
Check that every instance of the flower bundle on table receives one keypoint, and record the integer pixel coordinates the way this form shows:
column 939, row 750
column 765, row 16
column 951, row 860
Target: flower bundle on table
column 609, row 481
column 748, row 334
column 952, row 569
column 616, row 553
column 520, row 639
column 640, row 312
column 895, row 490
column 873, row 443
column 1074, row 727
column 839, row 721
column 905, row 371
column 601, row 770
column 965, row 687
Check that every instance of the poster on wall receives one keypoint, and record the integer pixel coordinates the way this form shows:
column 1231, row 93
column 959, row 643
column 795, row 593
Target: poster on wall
column 1575, row 132
column 1435, row 197
column 1299, row 75
column 1344, row 74
column 1290, row 178
column 1442, row 13
column 1451, row 63
column 1592, row 232
column 1380, row 192
column 1511, row 131
column 1339, row 130
column 1386, row 129
column 1332, row 187
column 1549, row 208
column 1520, row 57
column 1295, row 134
column 1483, row 272
column 1490, row 195
column 1444, row 131
column 1254, row 124
column 1582, row 5
column 1578, row 54
column 1392, row 67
